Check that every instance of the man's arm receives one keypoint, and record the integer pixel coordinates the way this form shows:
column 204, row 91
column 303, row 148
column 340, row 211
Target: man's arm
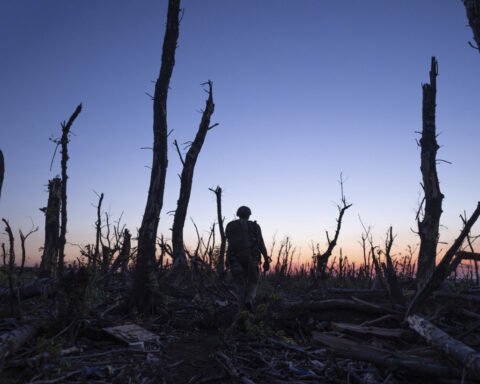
column 261, row 243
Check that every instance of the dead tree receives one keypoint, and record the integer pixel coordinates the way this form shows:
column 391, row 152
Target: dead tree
column 428, row 227
column 64, row 150
column 2, row 171
column 179, row 258
column 394, row 289
column 443, row 268
column 473, row 14
column 11, row 265
column 322, row 259
column 466, row 356
column 23, row 238
column 52, row 227
column 223, row 238
column 4, row 254
column 98, row 227
column 148, row 230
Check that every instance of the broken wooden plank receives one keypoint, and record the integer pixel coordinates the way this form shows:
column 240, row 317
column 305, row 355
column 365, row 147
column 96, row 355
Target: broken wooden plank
column 132, row 334
column 465, row 355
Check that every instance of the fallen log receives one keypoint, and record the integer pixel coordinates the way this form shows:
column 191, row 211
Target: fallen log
column 457, row 296
column 10, row 342
column 358, row 292
column 462, row 353
column 348, row 349
column 42, row 287
column 395, row 333
column 323, row 305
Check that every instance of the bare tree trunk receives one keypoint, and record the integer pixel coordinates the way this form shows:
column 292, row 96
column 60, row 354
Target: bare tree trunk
column 11, row 265
column 148, row 231
column 63, row 229
column 443, row 269
column 179, row 259
column 2, row 171
column 122, row 260
column 4, row 254
column 98, row 237
column 466, row 356
column 428, row 227
column 223, row 238
column 473, row 14
column 396, row 294
column 322, row 260
column 52, row 227
column 23, row 238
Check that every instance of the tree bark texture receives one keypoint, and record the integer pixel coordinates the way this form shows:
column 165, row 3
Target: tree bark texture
column 443, row 268
column 465, row 355
column 63, row 229
column 52, row 227
column 179, row 258
column 148, row 230
column 428, row 227
column 2, row 171
column 473, row 14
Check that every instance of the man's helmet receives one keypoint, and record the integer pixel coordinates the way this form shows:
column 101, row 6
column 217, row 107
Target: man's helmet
column 244, row 212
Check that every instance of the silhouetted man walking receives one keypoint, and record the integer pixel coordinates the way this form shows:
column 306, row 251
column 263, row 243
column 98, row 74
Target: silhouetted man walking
column 245, row 247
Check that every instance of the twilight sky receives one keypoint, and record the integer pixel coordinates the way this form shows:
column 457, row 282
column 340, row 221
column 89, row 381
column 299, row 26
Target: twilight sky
column 303, row 90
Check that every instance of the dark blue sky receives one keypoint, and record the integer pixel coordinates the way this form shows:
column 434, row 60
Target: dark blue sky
column 303, row 90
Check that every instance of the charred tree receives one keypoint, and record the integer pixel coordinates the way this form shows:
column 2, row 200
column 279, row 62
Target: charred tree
column 443, row 268
column 52, row 228
column 473, row 14
column 428, row 227
column 179, row 258
column 322, row 259
column 148, row 230
column 2, row 171
column 64, row 145
column 23, row 238
column 11, row 266
column 98, row 227
column 394, row 290
column 223, row 238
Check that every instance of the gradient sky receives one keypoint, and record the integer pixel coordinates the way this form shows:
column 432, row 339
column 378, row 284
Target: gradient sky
column 303, row 90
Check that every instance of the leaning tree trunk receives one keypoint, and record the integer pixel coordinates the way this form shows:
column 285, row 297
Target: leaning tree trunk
column 428, row 227
column 148, row 230
column 52, row 226
column 2, row 171
column 473, row 14
column 63, row 229
column 179, row 259
column 444, row 268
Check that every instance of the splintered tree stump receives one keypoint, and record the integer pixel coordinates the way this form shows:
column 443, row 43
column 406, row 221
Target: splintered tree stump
column 465, row 355
column 52, row 228
column 428, row 226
